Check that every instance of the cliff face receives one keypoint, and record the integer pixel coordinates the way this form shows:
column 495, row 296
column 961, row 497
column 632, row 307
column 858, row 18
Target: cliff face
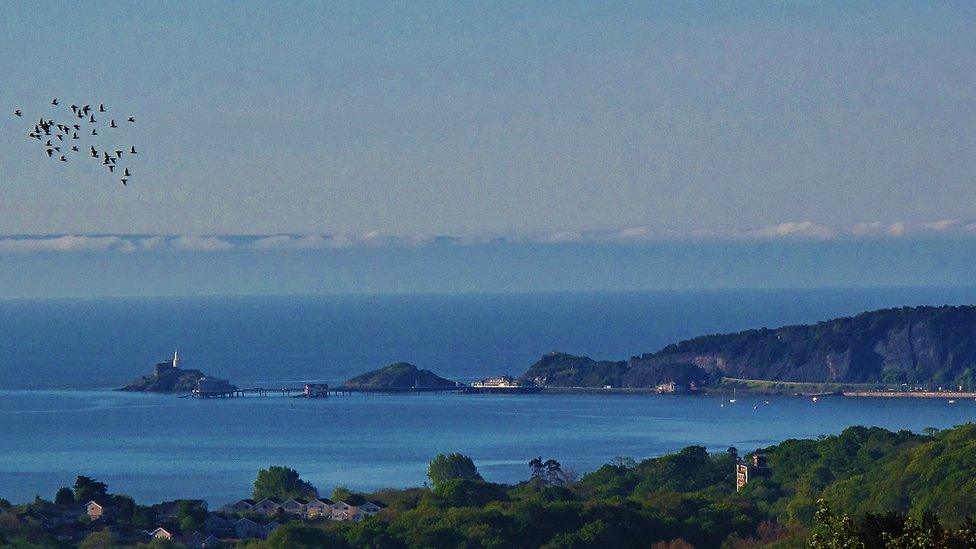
column 400, row 375
column 172, row 380
column 921, row 345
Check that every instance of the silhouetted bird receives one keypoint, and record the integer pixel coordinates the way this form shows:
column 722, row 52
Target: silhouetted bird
column 101, row 107
column 48, row 144
column 77, row 127
column 50, row 152
column 86, row 109
column 17, row 113
column 94, row 153
column 91, row 119
column 74, row 108
column 126, row 172
column 55, row 102
column 132, row 150
column 112, row 125
column 132, row 119
column 124, row 181
column 118, row 154
column 75, row 135
column 60, row 137
column 111, row 168
column 94, row 132
column 74, row 148
column 57, row 149
column 63, row 159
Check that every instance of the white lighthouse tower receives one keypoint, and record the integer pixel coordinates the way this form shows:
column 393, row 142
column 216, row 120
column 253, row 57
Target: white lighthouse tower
column 176, row 359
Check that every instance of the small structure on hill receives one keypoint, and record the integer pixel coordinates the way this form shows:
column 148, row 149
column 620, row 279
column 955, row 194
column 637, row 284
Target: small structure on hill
column 757, row 467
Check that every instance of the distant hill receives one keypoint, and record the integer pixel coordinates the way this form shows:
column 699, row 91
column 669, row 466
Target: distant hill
column 933, row 346
column 399, row 375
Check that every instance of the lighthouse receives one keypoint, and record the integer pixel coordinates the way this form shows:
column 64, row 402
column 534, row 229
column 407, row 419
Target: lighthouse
column 176, row 359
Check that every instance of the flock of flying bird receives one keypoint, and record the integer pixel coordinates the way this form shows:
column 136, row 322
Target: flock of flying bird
column 55, row 135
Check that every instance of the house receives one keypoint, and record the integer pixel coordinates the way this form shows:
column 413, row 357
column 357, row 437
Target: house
column 241, row 506
column 355, row 508
column 671, row 388
column 745, row 471
column 164, row 533
column 95, row 510
column 247, row 528
column 218, row 525
column 267, row 506
column 295, row 506
column 319, row 507
column 269, row 528
column 196, row 540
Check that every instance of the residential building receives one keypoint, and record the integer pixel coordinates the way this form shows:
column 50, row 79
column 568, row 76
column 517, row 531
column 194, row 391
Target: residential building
column 319, row 507
column 267, row 506
column 295, row 506
column 745, row 471
column 247, row 528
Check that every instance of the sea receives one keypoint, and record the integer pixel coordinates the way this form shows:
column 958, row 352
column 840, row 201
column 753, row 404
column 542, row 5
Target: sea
column 60, row 360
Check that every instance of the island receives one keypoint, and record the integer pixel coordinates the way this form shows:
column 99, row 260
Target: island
column 168, row 377
column 400, row 376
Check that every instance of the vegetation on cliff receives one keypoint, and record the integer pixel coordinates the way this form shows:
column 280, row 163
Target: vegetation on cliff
column 918, row 346
column 400, row 375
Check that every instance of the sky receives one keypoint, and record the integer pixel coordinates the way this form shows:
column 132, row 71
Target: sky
column 577, row 130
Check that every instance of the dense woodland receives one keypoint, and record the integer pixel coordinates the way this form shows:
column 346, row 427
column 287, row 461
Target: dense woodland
column 866, row 487
column 919, row 346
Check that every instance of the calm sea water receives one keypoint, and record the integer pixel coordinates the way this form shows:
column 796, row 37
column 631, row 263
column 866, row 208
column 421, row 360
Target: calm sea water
column 58, row 357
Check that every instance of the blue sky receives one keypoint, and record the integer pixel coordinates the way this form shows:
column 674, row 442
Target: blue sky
column 588, row 125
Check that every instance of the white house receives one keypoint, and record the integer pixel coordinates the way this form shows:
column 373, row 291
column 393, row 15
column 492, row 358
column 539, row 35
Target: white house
column 94, row 510
column 162, row 533
column 356, row 509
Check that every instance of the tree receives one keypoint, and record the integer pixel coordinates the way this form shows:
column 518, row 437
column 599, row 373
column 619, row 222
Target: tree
column 102, row 539
column 547, row 473
column 834, row 532
column 466, row 493
column 190, row 515
column 88, row 489
column 300, row 536
column 281, row 483
column 64, row 496
column 452, row 467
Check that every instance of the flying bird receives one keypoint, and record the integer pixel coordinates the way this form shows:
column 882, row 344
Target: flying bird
column 50, row 152
column 126, row 172
column 74, row 148
column 55, row 102
column 91, row 119
column 132, row 150
column 17, row 113
column 118, row 154
column 111, row 168
column 112, row 125
column 94, row 132
column 132, row 119
column 124, row 181
column 101, row 107
column 63, row 159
